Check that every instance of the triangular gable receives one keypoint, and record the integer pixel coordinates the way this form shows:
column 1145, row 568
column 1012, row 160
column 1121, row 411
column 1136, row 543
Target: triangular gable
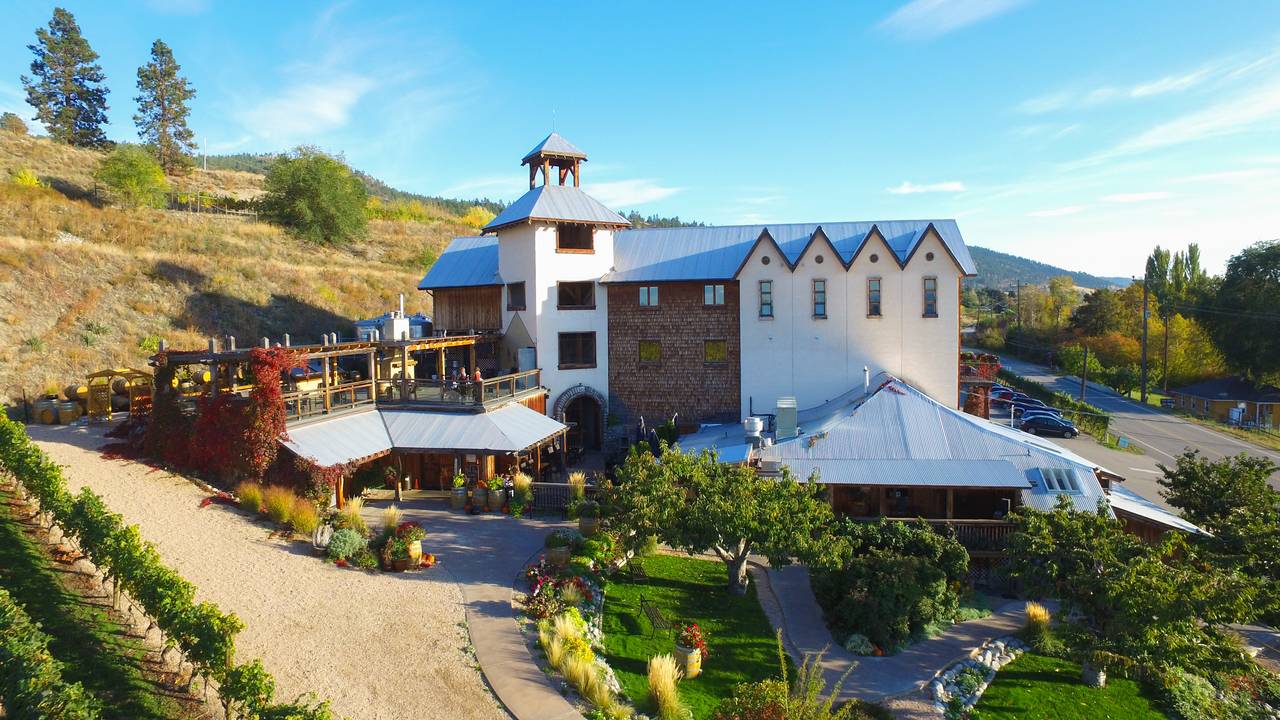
column 765, row 236
column 930, row 230
column 820, row 235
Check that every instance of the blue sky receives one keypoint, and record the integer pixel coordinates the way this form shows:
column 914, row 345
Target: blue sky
column 1079, row 133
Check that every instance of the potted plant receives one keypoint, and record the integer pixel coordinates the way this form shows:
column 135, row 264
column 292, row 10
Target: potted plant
column 395, row 555
column 558, row 548
column 459, row 498
column 412, row 534
column 479, row 497
column 691, row 650
column 497, row 493
column 589, row 517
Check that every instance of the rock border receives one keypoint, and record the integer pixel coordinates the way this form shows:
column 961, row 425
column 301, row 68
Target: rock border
column 988, row 659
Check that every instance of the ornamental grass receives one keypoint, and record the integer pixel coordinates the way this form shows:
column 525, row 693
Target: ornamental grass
column 304, row 518
column 391, row 516
column 577, row 486
column 521, row 482
column 1037, row 617
column 349, row 516
column 664, row 675
column 250, row 494
column 278, row 501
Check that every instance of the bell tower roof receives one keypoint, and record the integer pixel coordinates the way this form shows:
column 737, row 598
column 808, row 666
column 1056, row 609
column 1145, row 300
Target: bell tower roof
column 553, row 146
column 554, row 152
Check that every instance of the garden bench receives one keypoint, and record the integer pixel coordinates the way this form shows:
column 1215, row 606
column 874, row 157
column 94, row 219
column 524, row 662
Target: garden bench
column 654, row 613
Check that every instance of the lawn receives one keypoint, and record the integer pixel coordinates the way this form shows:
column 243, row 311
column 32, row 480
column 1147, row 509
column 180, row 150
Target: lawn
column 1036, row 687
column 741, row 641
column 95, row 650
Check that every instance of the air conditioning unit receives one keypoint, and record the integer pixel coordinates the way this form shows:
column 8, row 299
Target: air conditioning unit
column 787, row 422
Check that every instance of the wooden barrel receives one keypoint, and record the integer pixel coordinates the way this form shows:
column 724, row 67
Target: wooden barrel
column 76, row 392
column 45, row 411
column 119, row 403
column 68, row 411
column 202, row 376
column 120, row 386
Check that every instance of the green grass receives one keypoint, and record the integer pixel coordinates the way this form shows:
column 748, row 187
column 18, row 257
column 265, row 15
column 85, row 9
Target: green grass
column 742, row 643
column 1036, row 687
column 95, row 650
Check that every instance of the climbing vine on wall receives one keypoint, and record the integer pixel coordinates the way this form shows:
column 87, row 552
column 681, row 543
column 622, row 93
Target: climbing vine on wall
column 266, row 415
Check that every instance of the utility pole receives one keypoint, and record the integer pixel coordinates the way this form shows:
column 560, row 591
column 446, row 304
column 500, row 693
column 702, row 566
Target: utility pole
column 1019, row 291
column 1164, row 365
column 1146, row 315
column 1084, row 372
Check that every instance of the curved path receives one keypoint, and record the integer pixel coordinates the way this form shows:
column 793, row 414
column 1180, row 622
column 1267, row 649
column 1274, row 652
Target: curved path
column 485, row 554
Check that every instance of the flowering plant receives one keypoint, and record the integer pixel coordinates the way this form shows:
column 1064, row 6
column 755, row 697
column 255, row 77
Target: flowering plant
column 691, row 637
column 410, row 531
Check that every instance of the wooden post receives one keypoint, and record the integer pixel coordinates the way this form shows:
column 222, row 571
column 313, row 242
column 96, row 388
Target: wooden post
column 440, row 363
column 951, row 503
column 325, row 383
column 471, row 356
column 537, row 462
column 884, row 501
column 338, row 491
column 404, row 373
column 564, row 452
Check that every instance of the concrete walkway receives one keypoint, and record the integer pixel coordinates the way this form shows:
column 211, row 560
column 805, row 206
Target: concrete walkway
column 484, row 554
column 788, row 600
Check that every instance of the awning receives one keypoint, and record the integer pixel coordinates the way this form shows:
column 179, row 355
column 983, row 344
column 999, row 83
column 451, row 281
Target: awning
column 342, row 439
column 912, row 473
column 1127, row 501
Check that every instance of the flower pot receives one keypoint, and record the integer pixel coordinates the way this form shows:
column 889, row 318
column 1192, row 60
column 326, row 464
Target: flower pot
column 400, row 565
column 588, row 525
column 415, row 553
column 1094, row 676
column 689, row 660
column 497, row 498
column 479, row 497
column 558, row 557
column 458, row 500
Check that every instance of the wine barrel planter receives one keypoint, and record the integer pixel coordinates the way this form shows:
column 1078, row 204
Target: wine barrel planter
column 497, row 498
column 68, row 411
column 479, row 497
column 588, row 525
column 45, row 410
column 559, row 557
column 689, row 660
column 415, row 553
column 458, row 500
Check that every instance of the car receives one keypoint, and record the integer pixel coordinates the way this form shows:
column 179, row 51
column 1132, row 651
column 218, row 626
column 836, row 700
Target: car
column 1041, row 413
column 1024, row 406
column 1045, row 425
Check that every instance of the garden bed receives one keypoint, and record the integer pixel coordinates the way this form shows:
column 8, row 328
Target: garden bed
column 741, row 642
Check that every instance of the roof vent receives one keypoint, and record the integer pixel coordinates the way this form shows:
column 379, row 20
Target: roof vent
column 751, row 428
column 786, row 418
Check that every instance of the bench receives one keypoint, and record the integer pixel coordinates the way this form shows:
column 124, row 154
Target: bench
column 654, row 613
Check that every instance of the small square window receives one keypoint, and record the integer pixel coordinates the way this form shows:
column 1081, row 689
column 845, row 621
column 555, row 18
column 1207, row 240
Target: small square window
column 577, row 350
column 648, row 296
column 712, row 294
column 515, row 296
column 819, row 298
column 576, row 295
column 650, row 351
column 715, row 351
column 766, row 298
column 931, row 297
column 574, row 238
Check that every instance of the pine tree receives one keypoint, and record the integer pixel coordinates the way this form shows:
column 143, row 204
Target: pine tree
column 162, row 108
column 67, row 90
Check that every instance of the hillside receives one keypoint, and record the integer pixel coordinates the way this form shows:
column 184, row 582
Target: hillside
column 1002, row 270
column 83, row 286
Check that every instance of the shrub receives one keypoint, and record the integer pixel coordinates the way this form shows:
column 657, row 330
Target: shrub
column 648, row 546
column 250, row 494
column 560, row 539
column 303, row 517
column 589, row 509
column 278, row 501
column 316, row 196
column 134, row 176
column 858, row 644
column 349, row 517
column 25, row 178
column 345, row 543
column 364, row 559
column 664, row 697
column 410, row 531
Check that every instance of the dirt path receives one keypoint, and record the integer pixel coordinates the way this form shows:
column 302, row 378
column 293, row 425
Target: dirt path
column 380, row 646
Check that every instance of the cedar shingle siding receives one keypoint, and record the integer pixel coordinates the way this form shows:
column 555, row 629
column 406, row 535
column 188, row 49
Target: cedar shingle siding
column 681, row 380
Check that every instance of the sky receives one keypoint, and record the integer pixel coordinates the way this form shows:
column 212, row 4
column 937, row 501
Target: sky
column 1076, row 133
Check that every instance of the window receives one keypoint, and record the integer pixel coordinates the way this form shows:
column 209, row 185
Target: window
column 715, row 351
column 766, row 298
column 576, row 295
column 1060, row 480
column 574, row 239
column 650, row 351
column 931, row 297
column 577, row 350
column 819, row 298
column 873, row 297
column 515, row 296
column 649, row 296
column 712, row 294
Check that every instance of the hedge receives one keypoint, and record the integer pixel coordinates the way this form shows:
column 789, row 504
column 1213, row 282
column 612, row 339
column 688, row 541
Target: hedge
column 204, row 634
column 31, row 684
column 1088, row 418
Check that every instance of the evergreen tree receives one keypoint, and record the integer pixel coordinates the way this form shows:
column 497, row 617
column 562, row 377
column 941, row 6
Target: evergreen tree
column 66, row 88
column 162, row 108
column 12, row 123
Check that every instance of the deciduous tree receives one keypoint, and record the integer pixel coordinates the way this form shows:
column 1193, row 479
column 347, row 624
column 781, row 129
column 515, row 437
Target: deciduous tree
column 66, row 84
column 316, row 196
column 162, row 109
column 134, row 175
column 1244, row 318
column 12, row 123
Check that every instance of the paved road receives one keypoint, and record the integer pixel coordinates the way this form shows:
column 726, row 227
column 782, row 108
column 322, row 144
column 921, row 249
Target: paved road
column 1161, row 436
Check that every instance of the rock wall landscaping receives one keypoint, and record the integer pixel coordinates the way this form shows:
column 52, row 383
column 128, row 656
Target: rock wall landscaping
column 958, row 688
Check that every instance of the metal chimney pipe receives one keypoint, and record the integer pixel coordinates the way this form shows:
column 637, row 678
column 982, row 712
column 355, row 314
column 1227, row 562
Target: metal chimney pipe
column 866, row 379
column 231, row 343
column 286, row 339
column 401, row 304
column 164, row 345
column 213, row 345
column 266, row 343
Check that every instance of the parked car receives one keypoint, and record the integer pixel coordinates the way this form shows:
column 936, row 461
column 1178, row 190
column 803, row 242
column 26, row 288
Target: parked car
column 1048, row 412
column 1048, row 425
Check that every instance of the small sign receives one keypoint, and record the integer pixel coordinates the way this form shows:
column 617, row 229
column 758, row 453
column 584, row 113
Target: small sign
column 1122, row 442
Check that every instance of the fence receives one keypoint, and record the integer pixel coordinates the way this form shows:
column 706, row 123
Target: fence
column 555, row 496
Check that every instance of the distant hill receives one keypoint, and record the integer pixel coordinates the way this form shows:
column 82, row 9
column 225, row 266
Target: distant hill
column 1002, row 270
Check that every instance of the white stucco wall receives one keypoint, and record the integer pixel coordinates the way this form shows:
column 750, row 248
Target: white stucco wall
column 817, row 359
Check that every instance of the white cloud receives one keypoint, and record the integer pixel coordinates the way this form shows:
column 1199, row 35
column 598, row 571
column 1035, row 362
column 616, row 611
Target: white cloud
column 1226, row 175
column 1042, row 104
column 1172, row 83
column 926, row 19
column 306, row 109
column 629, row 193
column 1136, row 197
column 1057, row 212
column 910, row 188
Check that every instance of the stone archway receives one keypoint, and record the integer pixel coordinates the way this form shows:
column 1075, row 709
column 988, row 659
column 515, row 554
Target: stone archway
column 582, row 408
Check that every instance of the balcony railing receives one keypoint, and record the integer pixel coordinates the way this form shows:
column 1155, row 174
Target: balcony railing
column 427, row 393
column 322, row 401
column 977, row 536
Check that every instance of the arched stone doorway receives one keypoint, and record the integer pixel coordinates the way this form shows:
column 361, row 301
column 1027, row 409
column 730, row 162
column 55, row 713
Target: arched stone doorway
column 582, row 408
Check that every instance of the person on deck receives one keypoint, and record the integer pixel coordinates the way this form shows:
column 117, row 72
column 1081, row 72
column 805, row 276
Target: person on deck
column 478, row 377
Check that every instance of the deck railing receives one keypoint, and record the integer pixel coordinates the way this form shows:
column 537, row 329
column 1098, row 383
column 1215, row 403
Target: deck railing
column 300, row 404
column 555, row 496
column 447, row 394
column 986, row 536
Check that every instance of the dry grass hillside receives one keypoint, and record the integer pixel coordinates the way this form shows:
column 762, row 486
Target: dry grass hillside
column 84, row 287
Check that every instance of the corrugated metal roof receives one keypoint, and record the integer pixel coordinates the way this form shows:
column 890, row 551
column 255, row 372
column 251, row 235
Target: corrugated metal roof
column 341, row 439
column 556, row 202
column 1131, row 502
column 467, row 262
column 713, row 253
column 913, row 473
column 508, row 429
column 554, row 144
column 1232, row 388
column 900, row 423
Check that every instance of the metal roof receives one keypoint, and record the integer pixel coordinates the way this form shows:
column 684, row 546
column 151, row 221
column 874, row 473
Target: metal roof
column 340, row 439
column 1234, row 389
column 913, row 473
column 467, row 262
column 714, row 253
column 1133, row 503
column 554, row 144
column 899, row 423
column 562, row 203
column 508, row 429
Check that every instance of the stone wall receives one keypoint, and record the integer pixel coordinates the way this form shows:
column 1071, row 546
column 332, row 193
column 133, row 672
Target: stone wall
column 682, row 381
